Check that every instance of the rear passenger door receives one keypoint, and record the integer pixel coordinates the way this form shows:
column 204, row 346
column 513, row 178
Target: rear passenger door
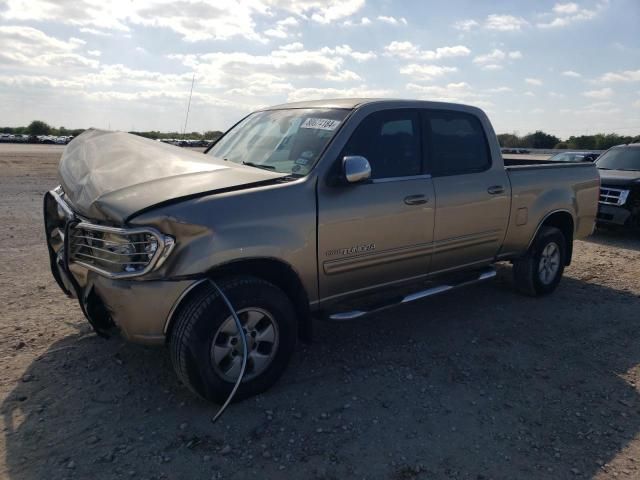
column 472, row 193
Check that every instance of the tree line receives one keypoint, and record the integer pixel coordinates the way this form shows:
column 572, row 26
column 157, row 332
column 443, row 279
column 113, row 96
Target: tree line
column 540, row 139
column 537, row 139
column 38, row 127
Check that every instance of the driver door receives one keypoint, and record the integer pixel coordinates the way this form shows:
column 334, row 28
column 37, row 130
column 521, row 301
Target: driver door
column 379, row 231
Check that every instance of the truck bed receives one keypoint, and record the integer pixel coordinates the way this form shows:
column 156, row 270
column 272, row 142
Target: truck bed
column 540, row 188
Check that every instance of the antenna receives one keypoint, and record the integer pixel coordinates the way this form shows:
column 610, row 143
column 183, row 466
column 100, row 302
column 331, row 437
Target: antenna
column 186, row 119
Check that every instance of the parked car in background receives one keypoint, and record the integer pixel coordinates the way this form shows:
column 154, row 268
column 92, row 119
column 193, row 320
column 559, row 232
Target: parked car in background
column 619, row 202
column 574, row 157
column 517, row 151
column 335, row 208
column 62, row 140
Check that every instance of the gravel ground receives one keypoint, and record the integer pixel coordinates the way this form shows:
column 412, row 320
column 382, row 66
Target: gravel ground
column 480, row 383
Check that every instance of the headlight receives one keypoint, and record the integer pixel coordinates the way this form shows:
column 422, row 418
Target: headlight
column 118, row 252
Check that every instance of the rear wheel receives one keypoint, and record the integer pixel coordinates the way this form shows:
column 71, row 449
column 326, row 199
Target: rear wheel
column 206, row 347
column 539, row 272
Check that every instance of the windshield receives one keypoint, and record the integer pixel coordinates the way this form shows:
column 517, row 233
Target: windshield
column 286, row 141
column 620, row 158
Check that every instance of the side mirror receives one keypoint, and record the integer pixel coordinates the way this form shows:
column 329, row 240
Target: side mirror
column 356, row 169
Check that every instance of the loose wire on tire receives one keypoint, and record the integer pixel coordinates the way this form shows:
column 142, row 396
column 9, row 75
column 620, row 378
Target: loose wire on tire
column 245, row 351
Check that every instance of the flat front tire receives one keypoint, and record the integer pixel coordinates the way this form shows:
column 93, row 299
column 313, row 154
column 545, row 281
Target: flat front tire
column 206, row 348
column 539, row 272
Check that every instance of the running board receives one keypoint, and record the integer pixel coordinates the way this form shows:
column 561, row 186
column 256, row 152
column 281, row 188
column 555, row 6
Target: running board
column 482, row 276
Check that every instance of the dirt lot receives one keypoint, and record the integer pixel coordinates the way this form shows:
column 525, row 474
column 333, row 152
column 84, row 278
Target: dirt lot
column 476, row 384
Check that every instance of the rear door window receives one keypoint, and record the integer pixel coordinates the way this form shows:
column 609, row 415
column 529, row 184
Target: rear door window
column 455, row 143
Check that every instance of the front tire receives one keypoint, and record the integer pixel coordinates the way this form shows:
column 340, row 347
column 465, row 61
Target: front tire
column 539, row 272
column 206, row 349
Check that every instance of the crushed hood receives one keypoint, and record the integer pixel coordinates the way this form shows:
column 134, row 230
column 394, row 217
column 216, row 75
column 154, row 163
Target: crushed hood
column 112, row 175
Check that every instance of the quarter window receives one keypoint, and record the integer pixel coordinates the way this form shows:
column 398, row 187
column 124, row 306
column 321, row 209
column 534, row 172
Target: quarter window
column 389, row 140
column 455, row 142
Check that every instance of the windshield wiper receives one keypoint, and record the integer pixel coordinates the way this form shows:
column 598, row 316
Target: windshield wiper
column 257, row 165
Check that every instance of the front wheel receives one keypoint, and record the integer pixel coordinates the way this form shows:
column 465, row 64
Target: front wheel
column 539, row 272
column 206, row 347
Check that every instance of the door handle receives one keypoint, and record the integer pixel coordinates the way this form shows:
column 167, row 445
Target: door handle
column 495, row 190
column 415, row 200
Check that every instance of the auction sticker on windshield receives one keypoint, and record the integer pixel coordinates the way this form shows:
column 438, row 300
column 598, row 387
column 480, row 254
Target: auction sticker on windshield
column 320, row 123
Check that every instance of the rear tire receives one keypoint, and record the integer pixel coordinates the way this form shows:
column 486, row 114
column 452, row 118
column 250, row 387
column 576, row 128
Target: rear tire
column 211, row 369
column 539, row 272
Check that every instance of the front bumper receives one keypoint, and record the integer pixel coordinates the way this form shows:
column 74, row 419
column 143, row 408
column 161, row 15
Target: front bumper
column 613, row 215
column 139, row 309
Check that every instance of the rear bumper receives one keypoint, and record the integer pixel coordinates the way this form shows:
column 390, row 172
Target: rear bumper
column 613, row 215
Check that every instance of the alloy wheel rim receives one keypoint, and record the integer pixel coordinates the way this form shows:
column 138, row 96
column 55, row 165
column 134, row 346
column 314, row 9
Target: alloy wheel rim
column 262, row 336
column 549, row 264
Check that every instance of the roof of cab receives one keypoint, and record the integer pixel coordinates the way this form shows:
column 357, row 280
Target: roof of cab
column 352, row 103
column 349, row 103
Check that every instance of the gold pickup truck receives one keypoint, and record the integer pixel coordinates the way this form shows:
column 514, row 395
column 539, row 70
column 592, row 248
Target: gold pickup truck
column 332, row 209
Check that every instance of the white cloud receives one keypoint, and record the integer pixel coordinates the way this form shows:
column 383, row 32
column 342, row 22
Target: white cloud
column 363, row 21
column 495, row 55
column 27, row 46
column 282, row 28
column 94, row 31
column 460, row 92
column 636, row 104
column 410, row 51
column 455, row 51
column 426, row 72
column 393, row 20
column 257, row 84
column 320, row 93
column 225, row 81
column 599, row 94
column 22, row 39
column 625, row 76
column 465, row 25
column 505, row 23
column 565, row 14
column 347, row 51
column 291, row 62
column 529, row 94
column 565, row 8
column 38, row 81
column 561, row 15
column 292, row 47
column 533, row 81
column 492, row 66
column 193, row 20
column 493, row 60
column 322, row 11
column 571, row 73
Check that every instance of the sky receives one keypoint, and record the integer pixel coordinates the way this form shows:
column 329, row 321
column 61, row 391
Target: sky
column 568, row 68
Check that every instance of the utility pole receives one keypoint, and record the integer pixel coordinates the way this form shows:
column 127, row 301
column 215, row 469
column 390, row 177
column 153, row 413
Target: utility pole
column 186, row 119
